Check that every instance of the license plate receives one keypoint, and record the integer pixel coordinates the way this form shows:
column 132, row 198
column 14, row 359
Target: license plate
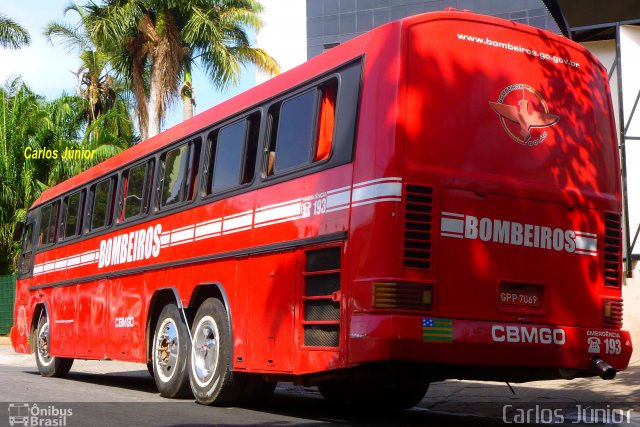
column 520, row 294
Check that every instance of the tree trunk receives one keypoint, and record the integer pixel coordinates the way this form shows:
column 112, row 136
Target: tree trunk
column 154, row 103
column 187, row 107
column 186, row 93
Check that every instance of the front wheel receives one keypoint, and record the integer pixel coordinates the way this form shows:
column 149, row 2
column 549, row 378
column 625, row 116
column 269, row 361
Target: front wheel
column 49, row 366
column 170, row 353
column 212, row 379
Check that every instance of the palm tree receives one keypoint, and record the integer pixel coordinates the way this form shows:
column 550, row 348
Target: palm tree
column 155, row 43
column 12, row 35
column 29, row 123
column 109, row 134
column 95, row 84
column 23, row 117
column 217, row 39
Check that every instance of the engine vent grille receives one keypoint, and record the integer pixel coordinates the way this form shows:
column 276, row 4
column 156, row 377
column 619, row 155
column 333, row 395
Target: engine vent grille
column 612, row 249
column 418, row 209
column 321, row 297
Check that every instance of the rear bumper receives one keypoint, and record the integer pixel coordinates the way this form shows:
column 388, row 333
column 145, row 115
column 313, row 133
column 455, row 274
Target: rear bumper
column 375, row 338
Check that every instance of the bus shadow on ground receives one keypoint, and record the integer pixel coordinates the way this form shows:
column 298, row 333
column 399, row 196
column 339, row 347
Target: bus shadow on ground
column 316, row 409
column 463, row 403
column 139, row 381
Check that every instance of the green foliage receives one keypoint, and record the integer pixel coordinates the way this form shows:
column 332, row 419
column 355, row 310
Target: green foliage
column 12, row 35
column 29, row 122
column 153, row 44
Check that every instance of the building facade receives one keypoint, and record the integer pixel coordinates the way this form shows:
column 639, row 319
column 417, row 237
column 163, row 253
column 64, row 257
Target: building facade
column 331, row 22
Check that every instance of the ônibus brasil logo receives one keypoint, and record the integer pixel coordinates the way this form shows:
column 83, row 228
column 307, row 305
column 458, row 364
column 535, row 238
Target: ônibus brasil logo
column 532, row 112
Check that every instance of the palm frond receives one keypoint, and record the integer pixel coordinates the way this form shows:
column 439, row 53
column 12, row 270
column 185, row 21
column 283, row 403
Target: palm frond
column 12, row 35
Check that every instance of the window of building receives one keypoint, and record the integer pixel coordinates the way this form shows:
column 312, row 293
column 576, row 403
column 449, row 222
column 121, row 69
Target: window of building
column 179, row 174
column 233, row 154
column 72, row 215
column 137, row 185
column 48, row 224
column 102, row 203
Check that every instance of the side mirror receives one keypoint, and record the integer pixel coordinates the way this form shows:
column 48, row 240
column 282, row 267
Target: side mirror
column 17, row 231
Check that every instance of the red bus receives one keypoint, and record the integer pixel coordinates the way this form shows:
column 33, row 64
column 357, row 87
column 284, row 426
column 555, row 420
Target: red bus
column 438, row 198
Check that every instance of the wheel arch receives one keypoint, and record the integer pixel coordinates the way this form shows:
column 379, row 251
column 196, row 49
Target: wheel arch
column 210, row 290
column 38, row 309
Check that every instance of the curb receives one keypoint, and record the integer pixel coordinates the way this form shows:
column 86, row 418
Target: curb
column 5, row 341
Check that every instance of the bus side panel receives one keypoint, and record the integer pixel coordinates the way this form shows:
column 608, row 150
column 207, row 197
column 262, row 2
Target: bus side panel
column 62, row 320
column 272, row 296
column 92, row 303
column 126, row 321
column 372, row 232
column 22, row 318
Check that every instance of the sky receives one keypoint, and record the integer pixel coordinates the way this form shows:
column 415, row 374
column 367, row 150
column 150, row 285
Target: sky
column 49, row 70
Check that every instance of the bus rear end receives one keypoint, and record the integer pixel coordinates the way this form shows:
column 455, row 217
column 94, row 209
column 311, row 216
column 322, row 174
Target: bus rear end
column 509, row 256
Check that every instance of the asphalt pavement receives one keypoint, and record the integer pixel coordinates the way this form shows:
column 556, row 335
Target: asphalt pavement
column 119, row 393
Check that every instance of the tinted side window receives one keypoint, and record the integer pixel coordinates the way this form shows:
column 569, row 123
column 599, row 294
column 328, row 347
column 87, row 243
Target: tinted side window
column 180, row 171
column 27, row 250
column 326, row 120
column 294, row 131
column 102, row 203
column 72, row 215
column 48, row 224
column 137, row 192
column 227, row 150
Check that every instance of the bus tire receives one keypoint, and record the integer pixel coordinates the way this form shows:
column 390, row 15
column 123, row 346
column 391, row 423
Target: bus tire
column 49, row 366
column 379, row 393
column 170, row 353
column 211, row 375
column 150, row 368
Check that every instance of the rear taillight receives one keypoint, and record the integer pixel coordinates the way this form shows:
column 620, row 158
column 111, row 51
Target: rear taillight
column 612, row 312
column 407, row 296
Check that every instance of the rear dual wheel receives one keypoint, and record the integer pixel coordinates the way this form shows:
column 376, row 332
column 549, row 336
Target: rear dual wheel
column 170, row 353
column 213, row 381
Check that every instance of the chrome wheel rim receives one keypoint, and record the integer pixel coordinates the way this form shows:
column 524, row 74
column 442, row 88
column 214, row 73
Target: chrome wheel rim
column 167, row 350
column 43, row 345
column 206, row 351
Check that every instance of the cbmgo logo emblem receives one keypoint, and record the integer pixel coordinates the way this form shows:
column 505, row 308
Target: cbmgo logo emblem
column 518, row 121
